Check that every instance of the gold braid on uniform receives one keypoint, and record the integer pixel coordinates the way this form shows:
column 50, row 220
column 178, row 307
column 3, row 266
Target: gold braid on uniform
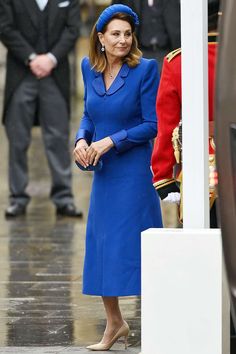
column 166, row 186
column 163, row 183
column 173, row 54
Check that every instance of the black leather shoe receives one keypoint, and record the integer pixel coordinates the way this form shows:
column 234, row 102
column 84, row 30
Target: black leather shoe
column 15, row 210
column 69, row 210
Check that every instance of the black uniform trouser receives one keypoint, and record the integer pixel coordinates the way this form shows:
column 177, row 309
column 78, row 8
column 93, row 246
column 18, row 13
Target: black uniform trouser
column 41, row 96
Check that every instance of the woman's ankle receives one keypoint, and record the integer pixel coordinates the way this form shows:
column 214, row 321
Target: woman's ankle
column 113, row 325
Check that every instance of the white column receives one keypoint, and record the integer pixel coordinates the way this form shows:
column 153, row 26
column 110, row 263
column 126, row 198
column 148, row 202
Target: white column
column 185, row 306
column 195, row 113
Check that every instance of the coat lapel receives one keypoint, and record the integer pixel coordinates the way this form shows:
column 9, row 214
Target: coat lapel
column 32, row 9
column 119, row 80
column 99, row 86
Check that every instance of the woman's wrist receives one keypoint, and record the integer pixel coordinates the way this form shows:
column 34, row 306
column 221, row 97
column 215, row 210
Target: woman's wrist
column 110, row 142
column 81, row 141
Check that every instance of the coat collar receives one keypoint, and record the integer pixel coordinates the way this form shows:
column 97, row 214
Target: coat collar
column 32, row 8
column 99, row 85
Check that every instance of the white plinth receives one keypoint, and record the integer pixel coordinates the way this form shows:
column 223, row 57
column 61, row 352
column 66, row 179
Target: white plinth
column 185, row 307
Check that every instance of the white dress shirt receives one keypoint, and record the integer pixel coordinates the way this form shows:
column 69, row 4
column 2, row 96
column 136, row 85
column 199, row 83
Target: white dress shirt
column 42, row 4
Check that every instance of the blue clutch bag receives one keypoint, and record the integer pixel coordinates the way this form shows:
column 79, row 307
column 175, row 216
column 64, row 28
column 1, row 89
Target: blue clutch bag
column 98, row 166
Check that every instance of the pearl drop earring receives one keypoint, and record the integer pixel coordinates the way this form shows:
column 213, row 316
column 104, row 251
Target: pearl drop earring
column 102, row 49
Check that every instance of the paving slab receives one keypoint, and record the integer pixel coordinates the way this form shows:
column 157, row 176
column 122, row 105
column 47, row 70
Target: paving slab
column 61, row 350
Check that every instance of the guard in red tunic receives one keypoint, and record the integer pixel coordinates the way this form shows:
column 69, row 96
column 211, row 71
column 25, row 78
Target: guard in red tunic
column 168, row 105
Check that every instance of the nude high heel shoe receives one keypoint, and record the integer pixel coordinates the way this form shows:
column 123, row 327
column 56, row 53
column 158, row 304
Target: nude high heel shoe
column 122, row 332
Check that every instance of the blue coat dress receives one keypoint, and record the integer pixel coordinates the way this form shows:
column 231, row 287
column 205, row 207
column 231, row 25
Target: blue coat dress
column 123, row 200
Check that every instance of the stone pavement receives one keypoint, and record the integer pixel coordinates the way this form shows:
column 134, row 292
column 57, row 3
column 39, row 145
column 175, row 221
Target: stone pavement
column 61, row 350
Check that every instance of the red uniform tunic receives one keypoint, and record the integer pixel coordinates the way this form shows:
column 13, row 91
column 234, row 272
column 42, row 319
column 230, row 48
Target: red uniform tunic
column 168, row 107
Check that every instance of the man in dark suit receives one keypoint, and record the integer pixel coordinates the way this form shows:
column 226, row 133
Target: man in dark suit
column 38, row 35
column 159, row 29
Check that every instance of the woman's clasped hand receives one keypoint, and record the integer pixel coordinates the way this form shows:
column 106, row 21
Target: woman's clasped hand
column 90, row 154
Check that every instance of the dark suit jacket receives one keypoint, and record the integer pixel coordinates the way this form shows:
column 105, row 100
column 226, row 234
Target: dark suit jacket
column 159, row 24
column 19, row 32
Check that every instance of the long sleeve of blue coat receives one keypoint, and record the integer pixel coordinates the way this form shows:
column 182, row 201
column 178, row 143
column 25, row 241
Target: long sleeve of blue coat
column 147, row 130
column 86, row 129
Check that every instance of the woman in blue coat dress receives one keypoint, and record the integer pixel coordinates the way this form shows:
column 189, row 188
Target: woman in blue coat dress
column 114, row 137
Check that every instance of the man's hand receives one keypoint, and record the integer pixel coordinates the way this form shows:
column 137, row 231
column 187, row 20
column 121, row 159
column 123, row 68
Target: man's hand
column 173, row 197
column 42, row 66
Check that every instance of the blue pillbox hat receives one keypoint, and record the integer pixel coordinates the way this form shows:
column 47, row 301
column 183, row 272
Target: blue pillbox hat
column 110, row 11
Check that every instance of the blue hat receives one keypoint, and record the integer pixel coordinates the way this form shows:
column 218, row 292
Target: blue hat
column 110, row 11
